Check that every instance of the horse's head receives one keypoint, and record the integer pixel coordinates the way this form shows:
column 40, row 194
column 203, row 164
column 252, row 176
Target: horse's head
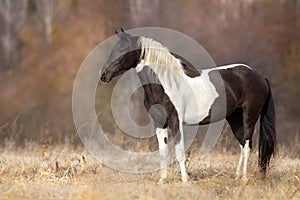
column 124, row 55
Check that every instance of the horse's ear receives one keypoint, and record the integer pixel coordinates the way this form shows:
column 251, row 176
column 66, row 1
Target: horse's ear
column 116, row 32
column 123, row 34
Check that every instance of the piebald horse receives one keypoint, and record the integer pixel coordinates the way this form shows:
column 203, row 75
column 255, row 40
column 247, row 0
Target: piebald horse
column 247, row 92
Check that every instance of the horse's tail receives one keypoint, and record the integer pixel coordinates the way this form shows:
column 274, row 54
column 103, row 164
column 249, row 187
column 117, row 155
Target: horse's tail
column 267, row 136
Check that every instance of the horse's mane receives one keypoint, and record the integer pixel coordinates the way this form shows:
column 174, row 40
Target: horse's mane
column 159, row 58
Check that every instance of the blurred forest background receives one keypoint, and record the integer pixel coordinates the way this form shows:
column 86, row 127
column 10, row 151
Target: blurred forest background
column 43, row 42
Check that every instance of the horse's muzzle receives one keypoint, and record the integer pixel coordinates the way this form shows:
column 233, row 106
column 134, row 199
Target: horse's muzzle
column 103, row 74
column 105, row 78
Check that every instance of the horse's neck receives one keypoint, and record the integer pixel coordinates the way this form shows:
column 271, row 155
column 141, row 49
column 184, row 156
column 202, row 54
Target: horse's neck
column 164, row 73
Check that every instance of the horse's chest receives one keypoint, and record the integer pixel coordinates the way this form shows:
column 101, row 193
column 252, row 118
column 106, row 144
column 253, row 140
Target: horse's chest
column 193, row 99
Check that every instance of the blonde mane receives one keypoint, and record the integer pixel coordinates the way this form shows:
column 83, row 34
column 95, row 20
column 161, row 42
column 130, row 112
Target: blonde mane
column 159, row 58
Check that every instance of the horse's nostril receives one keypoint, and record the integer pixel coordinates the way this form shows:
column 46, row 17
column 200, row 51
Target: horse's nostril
column 103, row 77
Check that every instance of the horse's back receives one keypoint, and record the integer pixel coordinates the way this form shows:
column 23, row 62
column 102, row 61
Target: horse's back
column 240, row 84
column 244, row 81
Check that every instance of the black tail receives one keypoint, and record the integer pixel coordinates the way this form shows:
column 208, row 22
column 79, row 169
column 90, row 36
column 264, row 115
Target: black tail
column 267, row 137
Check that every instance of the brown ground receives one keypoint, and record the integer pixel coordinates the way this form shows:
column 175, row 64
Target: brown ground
column 61, row 173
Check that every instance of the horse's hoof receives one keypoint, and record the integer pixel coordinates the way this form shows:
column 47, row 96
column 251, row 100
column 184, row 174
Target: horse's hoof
column 244, row 179
column 238, row 177
column 260, row 175
column 185, row 179
column 161, row 181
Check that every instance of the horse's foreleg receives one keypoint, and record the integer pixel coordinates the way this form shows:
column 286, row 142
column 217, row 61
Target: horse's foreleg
column 162, row 137
column 180, row 154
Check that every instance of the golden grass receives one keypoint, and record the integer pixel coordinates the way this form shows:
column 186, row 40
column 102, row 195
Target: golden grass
column 61, row 172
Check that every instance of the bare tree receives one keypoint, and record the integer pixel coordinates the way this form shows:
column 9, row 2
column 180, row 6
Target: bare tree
column 48, row 11
column 143, row 11
column 12, row 16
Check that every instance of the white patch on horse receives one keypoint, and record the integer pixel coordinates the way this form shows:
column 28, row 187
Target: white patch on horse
column 246, row 157
column 228, row 67
column 140, row 66
column 239, row 165
column 191, row 97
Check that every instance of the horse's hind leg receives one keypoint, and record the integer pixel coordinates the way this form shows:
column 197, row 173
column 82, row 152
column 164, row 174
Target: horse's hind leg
column 250, row 117
column 235, row 120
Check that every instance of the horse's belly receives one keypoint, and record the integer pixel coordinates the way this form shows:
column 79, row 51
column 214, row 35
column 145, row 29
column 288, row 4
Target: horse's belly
column 194, row 114
column 196, row 97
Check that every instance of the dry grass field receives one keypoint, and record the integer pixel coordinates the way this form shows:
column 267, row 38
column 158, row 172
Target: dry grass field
column 61, row 172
